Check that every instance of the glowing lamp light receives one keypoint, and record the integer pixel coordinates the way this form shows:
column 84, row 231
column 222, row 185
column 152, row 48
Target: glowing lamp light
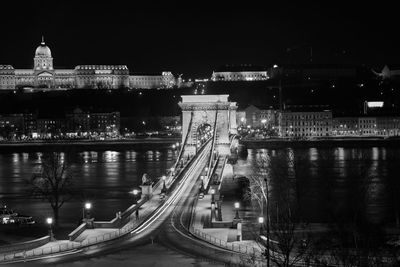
column 260, row 220
column 212, row 191
column 135, row 192
column 237, row 205
column 375, row 104
column 49, row 220
column 163, row 177
column 88, row 205
column 263, row 121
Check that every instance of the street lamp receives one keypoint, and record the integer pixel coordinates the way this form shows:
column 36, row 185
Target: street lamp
column 212, row 195
column 261, row 222
column 206, row 170
column 164, row 188
column 202, row 184
column 87, row 208
column 135, row 193
column 49, row 221
column 237, row 205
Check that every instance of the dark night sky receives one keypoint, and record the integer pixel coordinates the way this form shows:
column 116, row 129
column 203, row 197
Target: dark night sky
column 195, row 39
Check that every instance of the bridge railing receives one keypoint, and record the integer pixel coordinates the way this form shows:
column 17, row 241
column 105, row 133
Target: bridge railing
column 236, row 247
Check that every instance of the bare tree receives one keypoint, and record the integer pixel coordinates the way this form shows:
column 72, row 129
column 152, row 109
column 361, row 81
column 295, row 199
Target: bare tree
column 285, row 246
column 292, row 242
column 258, row 194
column 52, row 183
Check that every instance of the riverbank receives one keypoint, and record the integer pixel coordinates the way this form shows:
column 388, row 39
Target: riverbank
column 62, row 145
column 326, row 142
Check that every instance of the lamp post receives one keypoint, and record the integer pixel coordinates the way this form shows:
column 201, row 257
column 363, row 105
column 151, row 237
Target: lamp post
column 261, row 222
column 87, row 208
column 237, row 205
column 202, row 184
column 212, row 196
column 206, row 171
column 164, row 188
column 49, row 221
column 135, row 193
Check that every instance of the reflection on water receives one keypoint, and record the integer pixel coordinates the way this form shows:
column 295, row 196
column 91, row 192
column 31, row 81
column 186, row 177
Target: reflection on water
column 104, row 177
column 329, row 183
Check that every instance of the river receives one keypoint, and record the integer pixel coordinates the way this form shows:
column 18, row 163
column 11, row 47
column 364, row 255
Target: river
column 330, row 182
column 105, row 178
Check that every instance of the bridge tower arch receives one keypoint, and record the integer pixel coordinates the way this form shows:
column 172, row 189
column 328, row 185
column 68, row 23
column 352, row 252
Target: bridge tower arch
column 214, row 110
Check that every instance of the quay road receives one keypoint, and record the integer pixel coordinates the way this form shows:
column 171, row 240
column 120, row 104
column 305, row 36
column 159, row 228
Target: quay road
column 168, row 227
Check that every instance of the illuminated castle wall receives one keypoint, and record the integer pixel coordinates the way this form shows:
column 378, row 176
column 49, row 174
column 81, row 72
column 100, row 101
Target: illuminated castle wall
column 43, row 75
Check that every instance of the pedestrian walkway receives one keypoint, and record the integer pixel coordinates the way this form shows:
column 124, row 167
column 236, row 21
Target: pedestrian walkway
column 225, row 237
column 145, row 210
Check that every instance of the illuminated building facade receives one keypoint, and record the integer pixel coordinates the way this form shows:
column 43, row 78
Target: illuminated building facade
column 257, row 117
column 306, row 124
column 366, row 126
column 240, row 73
column 43, row 75
column 152, row 80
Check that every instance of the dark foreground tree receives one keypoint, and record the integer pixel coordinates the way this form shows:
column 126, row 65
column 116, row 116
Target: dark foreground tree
column 290, row 242
column 52, row 183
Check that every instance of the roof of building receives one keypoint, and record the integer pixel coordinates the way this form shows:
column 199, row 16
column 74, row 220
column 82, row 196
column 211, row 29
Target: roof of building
column 240, row 68
column 146, row 74
column 101, row 67
column 43, row 50
column 307, row 108
column 6, row 67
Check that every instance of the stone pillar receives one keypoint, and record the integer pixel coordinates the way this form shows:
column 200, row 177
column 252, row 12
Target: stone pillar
column 239, row 231
column 219, row 203
column 232, row 118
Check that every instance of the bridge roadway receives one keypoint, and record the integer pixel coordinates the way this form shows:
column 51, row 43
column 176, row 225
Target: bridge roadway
column 168, row 227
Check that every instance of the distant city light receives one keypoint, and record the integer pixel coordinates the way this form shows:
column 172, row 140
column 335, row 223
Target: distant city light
column 375, row 104
column 275, row 66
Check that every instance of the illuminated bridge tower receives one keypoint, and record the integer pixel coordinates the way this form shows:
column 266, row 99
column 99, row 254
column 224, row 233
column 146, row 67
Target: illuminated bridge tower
column 204, row 115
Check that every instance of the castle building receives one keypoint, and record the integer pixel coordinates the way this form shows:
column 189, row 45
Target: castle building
column 239, row 73
column 43, row 75
column 164, row 79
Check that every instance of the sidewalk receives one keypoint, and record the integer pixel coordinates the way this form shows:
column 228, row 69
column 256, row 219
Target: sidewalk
column 222, row 237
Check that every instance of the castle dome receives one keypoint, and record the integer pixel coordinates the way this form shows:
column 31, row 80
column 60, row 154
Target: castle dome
column 42, row 50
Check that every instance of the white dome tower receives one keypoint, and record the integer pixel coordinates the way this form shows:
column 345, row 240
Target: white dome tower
column 43, row 59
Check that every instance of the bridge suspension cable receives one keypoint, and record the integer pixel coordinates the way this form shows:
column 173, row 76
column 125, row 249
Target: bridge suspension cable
column 184, row 141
